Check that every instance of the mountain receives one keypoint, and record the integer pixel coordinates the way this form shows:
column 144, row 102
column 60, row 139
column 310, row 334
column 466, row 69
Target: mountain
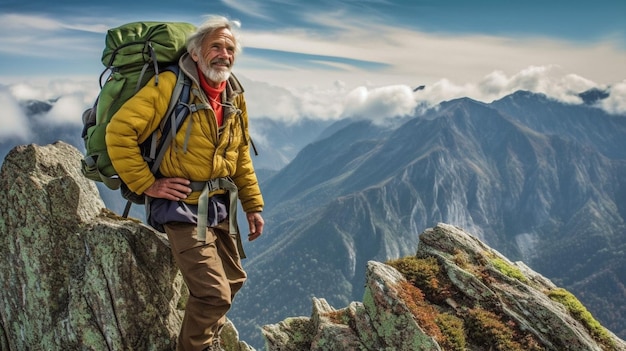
column 101, row 282
column 540, row 181
column 455, row 293
column 278, row 142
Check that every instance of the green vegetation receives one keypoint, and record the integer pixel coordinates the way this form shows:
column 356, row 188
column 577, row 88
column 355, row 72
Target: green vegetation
column 453, row 329
column 425, row 294
column 578, row 311
column 486, row 328
column 508, row 270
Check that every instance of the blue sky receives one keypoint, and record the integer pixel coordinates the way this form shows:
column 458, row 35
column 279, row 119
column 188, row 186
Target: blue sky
column 332, row 59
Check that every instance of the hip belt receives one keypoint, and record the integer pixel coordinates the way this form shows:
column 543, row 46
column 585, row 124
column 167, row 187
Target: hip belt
column 207, row 188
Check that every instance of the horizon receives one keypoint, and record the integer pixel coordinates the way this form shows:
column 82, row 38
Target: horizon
column 332, row 60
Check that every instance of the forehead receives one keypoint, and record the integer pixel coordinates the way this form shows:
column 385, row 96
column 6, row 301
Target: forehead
column 222, row 35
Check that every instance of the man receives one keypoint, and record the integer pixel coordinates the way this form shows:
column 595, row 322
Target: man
column 206, row 164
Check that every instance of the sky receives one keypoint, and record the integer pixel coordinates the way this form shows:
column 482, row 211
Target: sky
column 331, row 59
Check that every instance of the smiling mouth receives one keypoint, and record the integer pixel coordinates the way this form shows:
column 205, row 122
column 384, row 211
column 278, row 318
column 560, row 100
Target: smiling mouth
column 220, row 64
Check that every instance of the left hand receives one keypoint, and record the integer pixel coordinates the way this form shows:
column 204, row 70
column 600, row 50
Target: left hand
column 255, row 223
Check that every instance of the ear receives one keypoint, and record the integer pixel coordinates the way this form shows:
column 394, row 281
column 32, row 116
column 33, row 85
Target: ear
column 194, row 56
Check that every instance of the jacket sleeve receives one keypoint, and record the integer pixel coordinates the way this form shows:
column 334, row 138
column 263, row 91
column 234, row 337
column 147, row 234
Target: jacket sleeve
column 131, row 125
column 245, row 176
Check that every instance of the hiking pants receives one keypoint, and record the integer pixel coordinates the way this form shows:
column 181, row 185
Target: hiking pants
column 213, row 274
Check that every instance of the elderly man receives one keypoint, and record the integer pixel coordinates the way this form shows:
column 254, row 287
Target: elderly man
column 206, row 168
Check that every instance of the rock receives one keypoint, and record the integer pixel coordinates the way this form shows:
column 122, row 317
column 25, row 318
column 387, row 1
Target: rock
column 78, row 277
column 75, row 276
column 462, row 295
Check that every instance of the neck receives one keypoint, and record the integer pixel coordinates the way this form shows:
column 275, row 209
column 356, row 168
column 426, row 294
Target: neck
column 212, row 84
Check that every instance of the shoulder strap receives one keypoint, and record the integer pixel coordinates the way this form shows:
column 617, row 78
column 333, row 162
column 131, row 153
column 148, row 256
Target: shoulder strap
column 175, row 116
column 177, row 112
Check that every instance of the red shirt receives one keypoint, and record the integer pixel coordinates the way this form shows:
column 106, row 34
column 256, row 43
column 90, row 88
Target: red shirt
column 214, row 95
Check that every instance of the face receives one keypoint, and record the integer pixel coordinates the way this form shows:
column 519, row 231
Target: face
column 216, row 56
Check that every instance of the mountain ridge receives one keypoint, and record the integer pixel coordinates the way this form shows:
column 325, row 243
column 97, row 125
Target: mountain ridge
column 102, row 282
column 539, row 180
column 516, row 185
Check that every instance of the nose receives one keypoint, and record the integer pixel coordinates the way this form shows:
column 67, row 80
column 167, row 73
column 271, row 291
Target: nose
column 223, row 52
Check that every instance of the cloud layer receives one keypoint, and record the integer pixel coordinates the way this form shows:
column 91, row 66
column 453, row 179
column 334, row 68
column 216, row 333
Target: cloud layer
column 291, row 105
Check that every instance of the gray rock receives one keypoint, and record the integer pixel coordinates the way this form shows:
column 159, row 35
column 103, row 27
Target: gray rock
column 482, row 285
column 75, row 276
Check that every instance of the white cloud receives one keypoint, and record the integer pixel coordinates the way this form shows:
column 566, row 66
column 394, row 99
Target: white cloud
column 85, row 91
column 250, row 8
column 413, row 57
column 292, row 105
column 72, row 98
column 380, row 104
column 377, row 103
column 68, row 110
column 42, row 36
column 14, row 122
column 616, row 102
column 37, row 24
column 384, row 102
column 549, row 80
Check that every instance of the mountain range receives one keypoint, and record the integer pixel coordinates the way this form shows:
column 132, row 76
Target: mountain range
column 539, row 180
column 99, row 281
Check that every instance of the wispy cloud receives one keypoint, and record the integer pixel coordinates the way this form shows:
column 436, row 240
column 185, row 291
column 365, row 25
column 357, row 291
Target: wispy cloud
column 43, row 36
column 250, row 7
column 412, row 57
column 333, row 64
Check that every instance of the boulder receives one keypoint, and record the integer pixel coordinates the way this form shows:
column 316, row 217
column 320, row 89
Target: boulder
column 456, row 293
column 74, row 275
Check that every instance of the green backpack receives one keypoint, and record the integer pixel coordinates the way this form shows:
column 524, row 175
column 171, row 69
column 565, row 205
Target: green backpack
column 133, row 54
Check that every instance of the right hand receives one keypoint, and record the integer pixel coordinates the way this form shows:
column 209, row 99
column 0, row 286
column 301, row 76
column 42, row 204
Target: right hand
column 174, row 189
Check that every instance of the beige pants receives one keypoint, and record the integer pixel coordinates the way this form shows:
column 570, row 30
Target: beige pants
column 213, row 274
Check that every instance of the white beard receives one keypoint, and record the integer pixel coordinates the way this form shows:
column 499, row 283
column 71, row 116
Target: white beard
column 214, row 75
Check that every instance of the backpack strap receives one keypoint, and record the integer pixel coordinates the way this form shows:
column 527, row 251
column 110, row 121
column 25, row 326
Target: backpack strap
column 175, row 115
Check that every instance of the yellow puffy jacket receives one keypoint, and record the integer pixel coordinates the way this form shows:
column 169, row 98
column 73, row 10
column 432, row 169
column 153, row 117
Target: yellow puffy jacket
column 199, row 152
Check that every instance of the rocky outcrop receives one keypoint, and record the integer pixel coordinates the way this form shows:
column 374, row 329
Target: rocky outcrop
column 455, row 294
column 75, row 276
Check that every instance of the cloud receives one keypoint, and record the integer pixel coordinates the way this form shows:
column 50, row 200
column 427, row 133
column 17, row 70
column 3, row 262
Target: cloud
column 250, row 8
column 290, row 105
column 71, row 99
column 412, row 57
column 389, row 101
column 380, row 104
column 616, row 102
column 46, row 37
column 293, row 105
column 549, row 80
column 14, row 122
column 68, row 110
